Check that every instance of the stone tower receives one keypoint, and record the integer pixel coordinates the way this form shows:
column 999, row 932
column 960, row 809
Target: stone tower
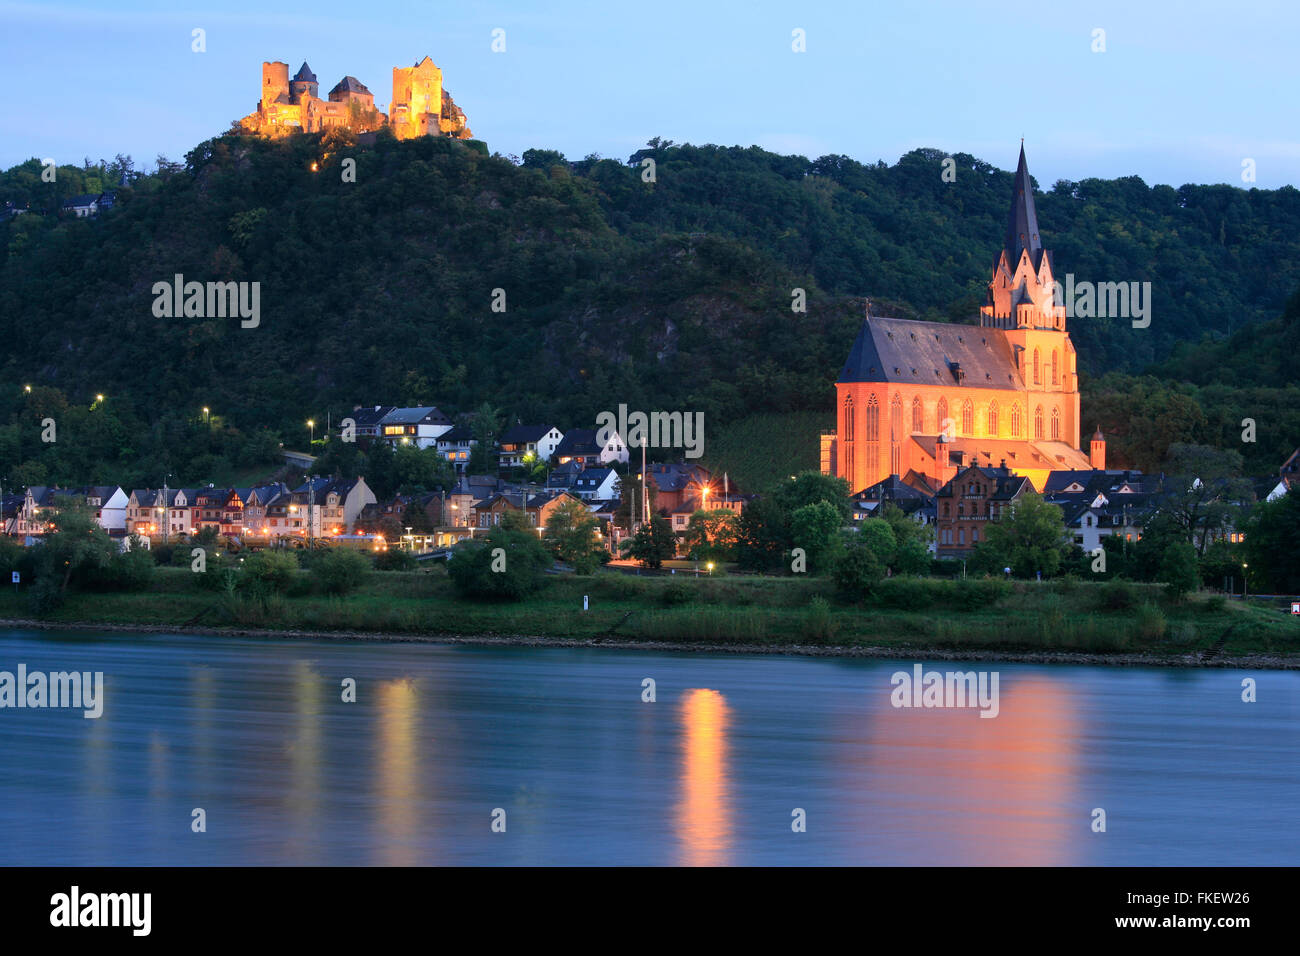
column 304, row 82
column 1097, row 450
column 275, row 82
column 417, row 99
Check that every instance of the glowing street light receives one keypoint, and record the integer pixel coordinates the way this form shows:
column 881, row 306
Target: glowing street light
column 311, row 424
column 27, row 389
column 205, row 413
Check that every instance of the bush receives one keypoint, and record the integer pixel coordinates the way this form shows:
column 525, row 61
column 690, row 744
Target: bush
column 507, row 564
column 132, row 570
column 973, row 594
column 340, row 570
column 677, row 592
column 45, row 597
column 857, row 571
column 1215, row 602
column 1117, row 596
column 818, row 625
column 268, row 572
column 1151, row 621
column 396, row 559
column 909, row 594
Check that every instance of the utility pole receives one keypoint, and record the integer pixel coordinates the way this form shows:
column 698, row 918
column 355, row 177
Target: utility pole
column 311, row 507
column 166, row 510
column 645, row 489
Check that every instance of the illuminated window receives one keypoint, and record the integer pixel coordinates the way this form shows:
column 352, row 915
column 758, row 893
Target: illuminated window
column 1038, row 423
column 967, row 418
column 993, row 419
column 848, row 418
column 1056, row 424
column 943, row 414
column 1054, row 380
column 1015, row 421
column 1037, row 375
column 918, row 417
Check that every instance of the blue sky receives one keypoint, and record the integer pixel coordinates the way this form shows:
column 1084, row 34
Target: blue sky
column 1184, row 92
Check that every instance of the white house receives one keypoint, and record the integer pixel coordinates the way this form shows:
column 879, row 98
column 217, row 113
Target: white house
column 521, row 441
column 419, row 426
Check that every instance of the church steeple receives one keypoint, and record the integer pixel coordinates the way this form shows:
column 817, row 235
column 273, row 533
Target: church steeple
column 1022, row 224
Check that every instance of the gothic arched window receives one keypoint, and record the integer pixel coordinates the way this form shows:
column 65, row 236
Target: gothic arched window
column 1038, row 378
column 873, row 419
column 942, row 415
column 1054, row 378
column 896, row 418
column 848, row 418
column 1038, row 423
column 1015, row 421
column 1056, row 424
column 993, row 419
column 967, row 418
column 918, row 415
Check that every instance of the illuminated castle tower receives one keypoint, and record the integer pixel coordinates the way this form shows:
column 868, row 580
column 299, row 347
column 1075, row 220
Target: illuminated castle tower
column 421, row 106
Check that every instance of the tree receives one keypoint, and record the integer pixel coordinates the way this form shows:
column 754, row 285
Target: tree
column 711, row 535
column 629, row 494
column 810, row 487
column 1203, row 492
column 485, row 426
column 77, row 549
column 416, row 517
column 1178, row 569
column 508, row 563
column 1031, row 539
column 1271, row 535
column 877, row 536
column 418, row 470
column 762, row 536
column 573, row 535
column 816, row 528
column 341, row 570
column 653, row 544
column 857, row 571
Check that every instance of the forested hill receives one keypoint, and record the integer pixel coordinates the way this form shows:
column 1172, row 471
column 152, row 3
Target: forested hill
column 662, row 294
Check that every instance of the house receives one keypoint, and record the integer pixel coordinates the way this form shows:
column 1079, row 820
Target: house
column 583, row 446
column 256, row 500
column 109, row 502
column 913, row 501
column 207, row 506
column 539, row 506
column 674, row 482
column 968, row 503
column 333, row 505
column 88, row 205
column 1288, row 478
column 456, row 445
column 153, row 512
column 420, row 426
column 589, row 484
column 366, row 420
column 680, row 516
column 527, row 443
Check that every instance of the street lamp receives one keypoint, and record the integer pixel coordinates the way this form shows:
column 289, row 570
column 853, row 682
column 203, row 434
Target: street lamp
column 1245, row 583
column 312, row 425
column 205, row 414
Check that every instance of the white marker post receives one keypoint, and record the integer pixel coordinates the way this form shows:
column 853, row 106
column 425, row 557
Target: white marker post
column 584, row 602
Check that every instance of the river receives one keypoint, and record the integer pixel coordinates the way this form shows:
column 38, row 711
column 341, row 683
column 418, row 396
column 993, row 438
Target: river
column 559, row 747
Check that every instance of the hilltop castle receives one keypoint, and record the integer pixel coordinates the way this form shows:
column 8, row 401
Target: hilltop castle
column 926, row 399
column 420, row 106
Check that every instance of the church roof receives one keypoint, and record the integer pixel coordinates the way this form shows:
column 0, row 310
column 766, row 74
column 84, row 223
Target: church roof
column 305, row 74
column 930, row 353
column 1022, row 224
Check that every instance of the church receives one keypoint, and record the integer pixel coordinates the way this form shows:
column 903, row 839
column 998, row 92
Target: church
column 923, row 400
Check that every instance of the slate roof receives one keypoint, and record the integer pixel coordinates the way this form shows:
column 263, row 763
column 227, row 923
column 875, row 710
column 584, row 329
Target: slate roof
column 420, row 415
column 522, row 434
column 305, row 74
column 674, row 476
column 349, row 84
column 930, row 353
column 1006, row 485
column 458, row 433
column 894, row 489
column 578, row 441
column 1022, row 223
column 370, row 415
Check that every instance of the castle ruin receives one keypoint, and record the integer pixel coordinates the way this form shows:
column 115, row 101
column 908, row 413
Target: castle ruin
column 420, row 106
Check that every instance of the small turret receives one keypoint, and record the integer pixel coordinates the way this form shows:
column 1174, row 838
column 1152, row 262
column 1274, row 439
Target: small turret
column 1097, row 451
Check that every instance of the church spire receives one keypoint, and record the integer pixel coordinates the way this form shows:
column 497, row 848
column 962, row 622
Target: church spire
column 1022, row 224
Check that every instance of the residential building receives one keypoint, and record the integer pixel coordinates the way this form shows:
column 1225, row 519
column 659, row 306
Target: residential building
column 972, row 500
column 522, row 443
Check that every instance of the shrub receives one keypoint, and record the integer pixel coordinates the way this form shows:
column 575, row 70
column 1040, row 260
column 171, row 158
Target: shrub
column 1117, row 596
column 268, row 572
column 45, row 597
column 677, row 592
column 909, row 594
column 506, row 564
column 973, row 594
column 1215, row 602
column 396, row 559
column 857, row 571
column 340, row 570
column 818, row 625
column 132, row 570
column 1151, row 622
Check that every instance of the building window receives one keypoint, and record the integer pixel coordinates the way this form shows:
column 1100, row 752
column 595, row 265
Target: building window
column 1054, row 366
column 848, row 418
column 967, row 418
column 918, row 418
column 873, row 419
column 1015, row 421
column 896, row 418
column 1056, row 424
column 1038, row 423
column 961, row 536
column 1037, row 374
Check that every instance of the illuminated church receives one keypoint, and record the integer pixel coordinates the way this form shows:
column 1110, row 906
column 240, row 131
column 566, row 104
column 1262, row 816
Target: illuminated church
column 922, row 400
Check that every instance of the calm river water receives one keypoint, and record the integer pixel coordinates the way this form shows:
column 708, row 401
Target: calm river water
column 256, row 734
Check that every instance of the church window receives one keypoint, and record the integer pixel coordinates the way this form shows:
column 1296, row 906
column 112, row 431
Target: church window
column 993, row 419
column 1054, row 377
column 1015, row 421
column 918, row 421
column 873, row 419
column 848, row 418
column 967, row 418
column 1038, row 378
column 1038, row 423
column 943, row 414
column 1056, row 424
column 896, row 418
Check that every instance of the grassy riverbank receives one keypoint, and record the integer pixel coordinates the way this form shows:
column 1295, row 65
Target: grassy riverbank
column 982, row 616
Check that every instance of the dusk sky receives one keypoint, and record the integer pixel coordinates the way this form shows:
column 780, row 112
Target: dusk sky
column 1183, row 92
